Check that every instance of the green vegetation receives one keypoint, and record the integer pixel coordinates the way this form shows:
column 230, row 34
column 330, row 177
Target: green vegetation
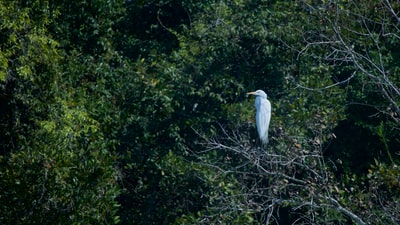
column 134, row 112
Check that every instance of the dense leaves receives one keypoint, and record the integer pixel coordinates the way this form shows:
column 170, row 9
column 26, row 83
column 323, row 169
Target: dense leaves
column 134, row 112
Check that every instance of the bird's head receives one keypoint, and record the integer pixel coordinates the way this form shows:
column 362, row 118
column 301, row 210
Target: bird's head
column 260, row 93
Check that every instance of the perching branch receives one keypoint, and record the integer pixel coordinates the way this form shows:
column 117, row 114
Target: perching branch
column 268, row 175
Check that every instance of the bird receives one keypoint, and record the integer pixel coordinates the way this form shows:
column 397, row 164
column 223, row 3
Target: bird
column 263, row 114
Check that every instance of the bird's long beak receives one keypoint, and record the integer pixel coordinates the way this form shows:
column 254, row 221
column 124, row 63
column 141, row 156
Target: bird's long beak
column 251, row 93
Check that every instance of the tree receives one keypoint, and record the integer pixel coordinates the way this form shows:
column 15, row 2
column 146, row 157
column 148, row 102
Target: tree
column 57, row 163
column 331, row 59
column 135, row 112
column 362, row 43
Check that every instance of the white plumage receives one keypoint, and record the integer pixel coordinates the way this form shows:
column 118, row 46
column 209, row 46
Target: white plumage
column 263, row 114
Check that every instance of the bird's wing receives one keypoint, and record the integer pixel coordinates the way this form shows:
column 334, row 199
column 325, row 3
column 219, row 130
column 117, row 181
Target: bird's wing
column 263, row 119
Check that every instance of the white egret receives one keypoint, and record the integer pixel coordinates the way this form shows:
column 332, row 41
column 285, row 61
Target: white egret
column 263, row 114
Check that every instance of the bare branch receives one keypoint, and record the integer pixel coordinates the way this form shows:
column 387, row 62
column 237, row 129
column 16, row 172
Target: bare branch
column 268, row 175
column 345, row 211
column 329, row 86
column 390, row 8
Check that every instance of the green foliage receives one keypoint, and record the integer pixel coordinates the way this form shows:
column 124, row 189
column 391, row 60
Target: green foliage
column 26, row 48
column 102, row 103
column 366, row 195
column 57, row 163
column 85, row 25
column 384, row 190
column 64, row 175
